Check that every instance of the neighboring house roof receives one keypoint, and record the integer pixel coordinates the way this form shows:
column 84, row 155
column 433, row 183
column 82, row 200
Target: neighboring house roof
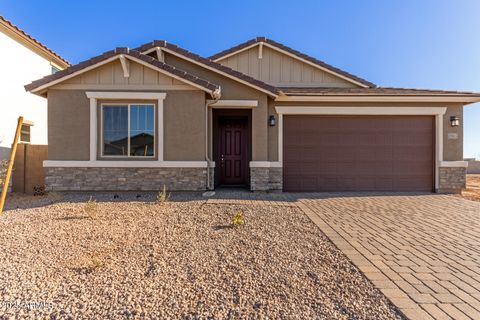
column 299, row 55
column 19, row 35
column 303, row 91
column 195, row 58
column 39, row 86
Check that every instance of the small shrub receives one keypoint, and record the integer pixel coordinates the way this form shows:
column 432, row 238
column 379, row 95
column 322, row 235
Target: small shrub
column 238, row 219
column 39, row 191
column 162, row 196
column 96, row 262
column 91, row 207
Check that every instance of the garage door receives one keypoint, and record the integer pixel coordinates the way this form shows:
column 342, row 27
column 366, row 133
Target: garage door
column 358, row 153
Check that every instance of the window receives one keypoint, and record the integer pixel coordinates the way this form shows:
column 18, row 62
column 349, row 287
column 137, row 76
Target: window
column 128, row 130
column 54, row 69
column 25, row 132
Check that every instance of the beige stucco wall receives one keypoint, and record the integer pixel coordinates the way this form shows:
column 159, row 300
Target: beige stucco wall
column 282, row 70
column 69, row 124
column 184, row 126
column 184, row 116
column 452, row 148
column 184, row 113
column 233, row 90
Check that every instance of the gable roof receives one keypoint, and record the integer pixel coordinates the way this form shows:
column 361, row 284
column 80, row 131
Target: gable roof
column 30, row 42
column 209, row 64
column 297, row 54
column 39, row 86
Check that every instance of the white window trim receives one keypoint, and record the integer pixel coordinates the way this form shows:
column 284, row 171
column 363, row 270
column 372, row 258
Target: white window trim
column 454, row 164
column 95, row 95
column 265, row 164
column 438, row 112
column 361, row 110
column 128, row 105
column 236, row 104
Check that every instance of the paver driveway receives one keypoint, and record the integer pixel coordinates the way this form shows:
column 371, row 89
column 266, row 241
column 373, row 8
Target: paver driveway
column 422, row 251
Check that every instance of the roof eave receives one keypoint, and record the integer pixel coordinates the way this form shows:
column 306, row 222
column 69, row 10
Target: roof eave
column 382, row 98
column 40, row 88
column 33, row 44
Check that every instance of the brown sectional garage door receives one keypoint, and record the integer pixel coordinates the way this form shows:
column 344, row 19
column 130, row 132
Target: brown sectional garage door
column 358, row 153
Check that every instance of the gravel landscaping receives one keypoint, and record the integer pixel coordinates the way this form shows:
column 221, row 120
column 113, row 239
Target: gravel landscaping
column 180, row 259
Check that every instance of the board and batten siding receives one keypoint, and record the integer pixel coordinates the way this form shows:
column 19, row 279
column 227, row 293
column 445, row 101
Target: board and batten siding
column 280, row 70
column 111, row 74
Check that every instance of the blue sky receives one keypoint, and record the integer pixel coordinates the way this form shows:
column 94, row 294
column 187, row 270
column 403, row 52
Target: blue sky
column 404, row 43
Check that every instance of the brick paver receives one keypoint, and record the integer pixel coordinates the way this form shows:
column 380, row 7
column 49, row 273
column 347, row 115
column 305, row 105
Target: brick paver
column 421, row 251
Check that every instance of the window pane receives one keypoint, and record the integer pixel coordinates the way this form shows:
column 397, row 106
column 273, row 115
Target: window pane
column 142, row 141
column 25, row 133
column 115, row 130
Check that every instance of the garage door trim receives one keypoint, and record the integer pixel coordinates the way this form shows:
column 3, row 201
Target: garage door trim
column 438, row 112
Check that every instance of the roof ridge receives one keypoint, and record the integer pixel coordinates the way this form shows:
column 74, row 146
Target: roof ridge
column 299, row 54
column 123, row 51
column 26, row 35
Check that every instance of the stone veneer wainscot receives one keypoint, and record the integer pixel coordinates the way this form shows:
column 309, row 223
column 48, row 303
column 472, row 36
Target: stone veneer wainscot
column 452, row 179
column 125, row 179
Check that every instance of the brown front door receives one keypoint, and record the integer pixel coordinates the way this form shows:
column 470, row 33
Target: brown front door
column 233, row 151
column 358, row 153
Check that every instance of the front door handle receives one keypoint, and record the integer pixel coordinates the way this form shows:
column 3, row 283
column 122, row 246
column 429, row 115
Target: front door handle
column 222, row 160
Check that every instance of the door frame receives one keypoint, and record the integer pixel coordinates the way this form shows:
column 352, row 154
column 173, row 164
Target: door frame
column 217, row 116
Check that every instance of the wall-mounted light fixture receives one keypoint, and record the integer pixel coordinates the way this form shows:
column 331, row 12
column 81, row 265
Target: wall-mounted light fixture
column 271, row 121
column 454, row 121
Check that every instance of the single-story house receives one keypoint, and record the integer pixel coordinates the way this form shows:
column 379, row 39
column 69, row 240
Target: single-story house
column 259, row 115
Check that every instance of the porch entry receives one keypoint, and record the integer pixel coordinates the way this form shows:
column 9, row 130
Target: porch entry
column 232, row 146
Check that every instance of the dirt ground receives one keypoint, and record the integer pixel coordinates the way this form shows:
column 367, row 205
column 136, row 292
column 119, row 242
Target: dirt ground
column 68, row 257
column 473, row 187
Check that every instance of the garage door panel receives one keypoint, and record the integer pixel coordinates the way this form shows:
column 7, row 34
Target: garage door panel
column 369, row 153
column 409, row 139
column 355, row 153
column 419, row 167
column 412, row 153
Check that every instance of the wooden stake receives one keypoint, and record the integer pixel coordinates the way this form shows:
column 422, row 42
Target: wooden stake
column 10, row 164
